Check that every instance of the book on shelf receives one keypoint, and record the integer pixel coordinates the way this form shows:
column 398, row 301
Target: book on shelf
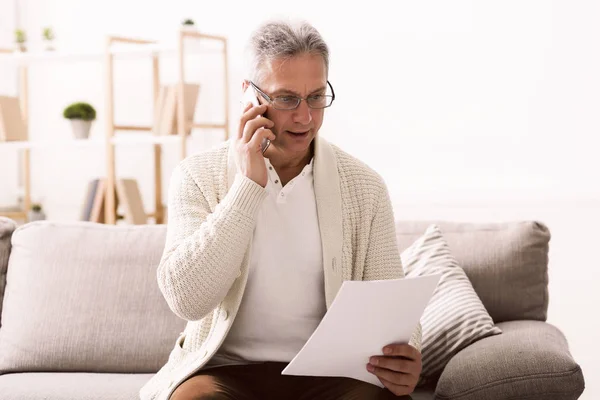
column 128, row 197
column 159, row 106
column 86, row 210
column 165, row 113
column 97, row 212
column 93, row 207
column 12, row 123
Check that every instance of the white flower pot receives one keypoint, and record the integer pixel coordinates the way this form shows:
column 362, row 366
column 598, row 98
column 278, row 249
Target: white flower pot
column 36, row 216
column 81, row 128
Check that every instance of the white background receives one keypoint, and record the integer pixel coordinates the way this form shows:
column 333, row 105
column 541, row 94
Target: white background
column 470, row 110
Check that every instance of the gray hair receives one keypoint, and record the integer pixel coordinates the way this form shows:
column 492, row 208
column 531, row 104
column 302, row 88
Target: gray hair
column 282, row 40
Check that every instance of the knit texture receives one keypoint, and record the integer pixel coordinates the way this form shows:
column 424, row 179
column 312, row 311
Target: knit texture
column 203, row 270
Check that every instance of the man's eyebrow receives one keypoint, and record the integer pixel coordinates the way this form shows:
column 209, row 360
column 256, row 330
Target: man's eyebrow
column 287, row 91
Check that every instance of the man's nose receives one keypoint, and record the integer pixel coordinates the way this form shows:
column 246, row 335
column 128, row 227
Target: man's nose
column 302, row 113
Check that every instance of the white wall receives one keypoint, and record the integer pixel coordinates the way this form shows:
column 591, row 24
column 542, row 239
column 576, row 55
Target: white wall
column 470, row 110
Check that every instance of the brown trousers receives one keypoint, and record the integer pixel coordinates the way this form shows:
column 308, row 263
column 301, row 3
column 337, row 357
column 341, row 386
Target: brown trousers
column 265, row 382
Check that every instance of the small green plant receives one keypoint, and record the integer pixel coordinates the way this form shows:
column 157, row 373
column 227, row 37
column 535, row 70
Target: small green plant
column 80, row 110
column 48, row 34
column 20, row 36
column 188, row 22
column 35, row 207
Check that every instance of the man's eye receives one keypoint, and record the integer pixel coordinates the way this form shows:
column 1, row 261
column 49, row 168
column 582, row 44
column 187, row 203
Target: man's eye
column 316, row 97
column 287, row 99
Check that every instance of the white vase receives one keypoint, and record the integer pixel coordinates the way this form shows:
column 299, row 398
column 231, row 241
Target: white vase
column 36, row 216
column 81, row 128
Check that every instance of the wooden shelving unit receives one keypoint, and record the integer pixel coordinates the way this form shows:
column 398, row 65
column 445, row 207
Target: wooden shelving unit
column 25, row 152
column 139, row 49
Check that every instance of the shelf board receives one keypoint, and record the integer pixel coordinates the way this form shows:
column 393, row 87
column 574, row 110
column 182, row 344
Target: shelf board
column 13, row 214
column 145, row 139
column 38, row 144
column 117, row 140
column 119, row 51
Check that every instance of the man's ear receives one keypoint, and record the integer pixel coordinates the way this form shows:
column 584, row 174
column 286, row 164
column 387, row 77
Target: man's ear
column 245, row 84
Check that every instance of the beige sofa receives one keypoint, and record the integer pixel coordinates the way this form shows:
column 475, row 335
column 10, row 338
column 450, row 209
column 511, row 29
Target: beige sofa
column 82, row 317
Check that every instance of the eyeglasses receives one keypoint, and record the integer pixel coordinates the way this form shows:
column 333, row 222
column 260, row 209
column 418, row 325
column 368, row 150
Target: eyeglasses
column 289, row 102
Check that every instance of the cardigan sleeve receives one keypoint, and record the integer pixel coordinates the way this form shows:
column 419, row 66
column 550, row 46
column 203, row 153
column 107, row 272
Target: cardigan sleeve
column 204, row 250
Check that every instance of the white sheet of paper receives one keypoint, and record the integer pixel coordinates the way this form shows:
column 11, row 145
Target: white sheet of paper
column 364, row 317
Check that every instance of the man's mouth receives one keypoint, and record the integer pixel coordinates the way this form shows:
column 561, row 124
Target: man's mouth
column 298, row 133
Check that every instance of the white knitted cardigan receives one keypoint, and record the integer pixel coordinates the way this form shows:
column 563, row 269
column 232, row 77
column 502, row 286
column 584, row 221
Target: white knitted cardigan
column 212, row 214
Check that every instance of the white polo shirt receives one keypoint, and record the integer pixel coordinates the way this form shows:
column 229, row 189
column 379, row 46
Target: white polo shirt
column 284, row 299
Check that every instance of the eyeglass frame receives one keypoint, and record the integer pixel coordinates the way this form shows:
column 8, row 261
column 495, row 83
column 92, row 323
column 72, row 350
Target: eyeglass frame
column 270, row 100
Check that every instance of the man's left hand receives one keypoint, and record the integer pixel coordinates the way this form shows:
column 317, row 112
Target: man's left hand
column 398, row 369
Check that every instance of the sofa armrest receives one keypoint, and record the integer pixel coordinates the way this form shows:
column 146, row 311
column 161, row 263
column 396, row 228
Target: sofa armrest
column 530, row 360
column 7, row 227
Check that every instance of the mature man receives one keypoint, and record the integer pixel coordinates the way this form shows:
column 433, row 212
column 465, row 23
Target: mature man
column 259, row 244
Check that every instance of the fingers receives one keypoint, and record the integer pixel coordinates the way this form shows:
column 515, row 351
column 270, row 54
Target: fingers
column 252, row 127
column 247, row 107
column 250, row 112
column 398, row 390
column 402, row 350
column 399, row 369
column 397, row 378
column 396, row 364
column 256, row 141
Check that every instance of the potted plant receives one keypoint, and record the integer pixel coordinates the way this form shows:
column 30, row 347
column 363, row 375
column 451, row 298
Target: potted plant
column 188, row 24
column 48, row 35
column 20, row 39
column 81, row 116
column 36, row 213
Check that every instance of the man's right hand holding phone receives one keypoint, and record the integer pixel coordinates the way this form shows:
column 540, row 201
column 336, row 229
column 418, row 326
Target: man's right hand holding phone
column 249, row 156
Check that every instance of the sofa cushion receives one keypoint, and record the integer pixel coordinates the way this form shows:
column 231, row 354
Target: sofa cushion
column 530, row 360
column 455, row 316
column 71, row 386
column 83, row 297
column 86, row 386
column 7, row 227
column 507, row 263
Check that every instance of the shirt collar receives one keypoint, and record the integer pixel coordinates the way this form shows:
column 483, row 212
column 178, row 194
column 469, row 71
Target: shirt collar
column 308, row 168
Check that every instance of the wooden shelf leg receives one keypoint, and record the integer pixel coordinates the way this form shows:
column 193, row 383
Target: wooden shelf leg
column 226, row 71
column 110, row 209
column 158, row 204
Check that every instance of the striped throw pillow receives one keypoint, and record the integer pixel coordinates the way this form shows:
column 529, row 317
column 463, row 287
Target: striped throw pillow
column 455, row 316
